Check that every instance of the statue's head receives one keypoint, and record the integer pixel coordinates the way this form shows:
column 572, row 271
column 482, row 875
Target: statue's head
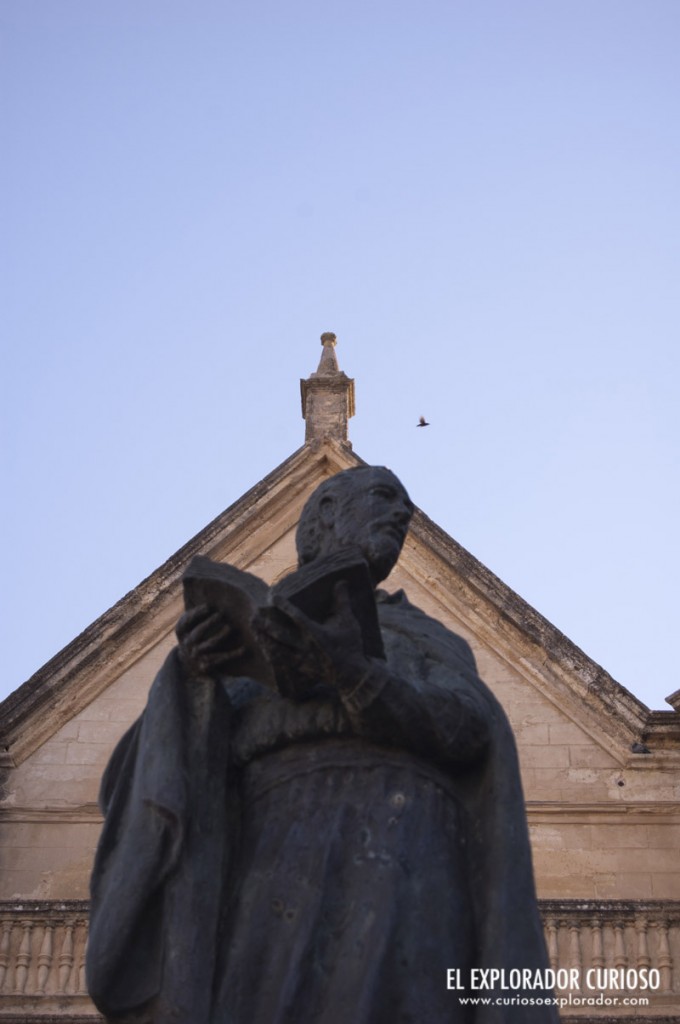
column 365, row 507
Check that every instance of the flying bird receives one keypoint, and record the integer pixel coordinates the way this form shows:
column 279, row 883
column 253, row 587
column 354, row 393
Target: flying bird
column 422, row 422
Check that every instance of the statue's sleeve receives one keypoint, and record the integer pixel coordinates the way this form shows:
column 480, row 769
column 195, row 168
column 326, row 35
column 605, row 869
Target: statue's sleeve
column 153, row 906
column 425, row 698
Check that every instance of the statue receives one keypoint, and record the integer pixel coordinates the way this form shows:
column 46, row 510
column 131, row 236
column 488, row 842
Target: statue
column 318, row 818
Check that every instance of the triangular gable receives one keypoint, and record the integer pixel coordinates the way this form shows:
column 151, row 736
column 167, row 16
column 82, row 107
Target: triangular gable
column 457, row 587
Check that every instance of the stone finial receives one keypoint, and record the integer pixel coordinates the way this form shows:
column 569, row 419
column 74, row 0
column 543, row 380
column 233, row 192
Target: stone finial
column 328, row 362
column 327, row 397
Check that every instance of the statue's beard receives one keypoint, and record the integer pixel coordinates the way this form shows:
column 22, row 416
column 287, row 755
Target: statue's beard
column 381, row 553
column 380, row 545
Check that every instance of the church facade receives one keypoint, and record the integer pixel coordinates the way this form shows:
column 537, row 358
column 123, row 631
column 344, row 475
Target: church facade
column 599, row 769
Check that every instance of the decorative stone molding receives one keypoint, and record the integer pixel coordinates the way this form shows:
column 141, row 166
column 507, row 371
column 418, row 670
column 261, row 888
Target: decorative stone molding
column 42, row 955
column 580, row 931
column 42, row 961
column 607, row 943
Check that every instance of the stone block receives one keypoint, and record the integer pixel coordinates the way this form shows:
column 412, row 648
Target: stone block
column 650, row 860
column 532, row 735
column 551, row 885
column 125, row 712
column 543, row 783
column 14, row 835
column 561, row 837
column 134, row 685
column 21, row 884
column 544, row 757
column 618, row 837
column 68, row 731
column 666, row 885
column 50, row 753
column 568, row 733
column 592, row 756
column 606, row 886
column 628, row 885
column 585, row 784
column 98, row 711
column 88, row 754
column 42, row 858
column 62, row 785
column 663, row 836
column 107, row 733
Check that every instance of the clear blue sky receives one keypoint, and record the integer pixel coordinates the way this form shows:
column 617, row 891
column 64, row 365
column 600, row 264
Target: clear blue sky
column 479, row 198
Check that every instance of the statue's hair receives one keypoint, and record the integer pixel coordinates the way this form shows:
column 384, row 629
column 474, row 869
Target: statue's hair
column 341, row 488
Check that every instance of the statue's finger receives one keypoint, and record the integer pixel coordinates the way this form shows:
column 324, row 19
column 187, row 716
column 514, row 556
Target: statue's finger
column 211, row 647
column 207, row 626
column 190, row 618
column 208, row 664
column 224, row 657
column 225, row 632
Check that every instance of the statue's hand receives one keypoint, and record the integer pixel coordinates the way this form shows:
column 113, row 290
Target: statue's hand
column 208, row 643
column 328, row 653
column 300, row 666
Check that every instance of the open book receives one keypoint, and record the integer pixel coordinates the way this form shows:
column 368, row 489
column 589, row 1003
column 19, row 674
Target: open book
column 240, row 595
column 311, row 589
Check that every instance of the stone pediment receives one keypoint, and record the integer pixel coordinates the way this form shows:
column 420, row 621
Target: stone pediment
column 256, row 533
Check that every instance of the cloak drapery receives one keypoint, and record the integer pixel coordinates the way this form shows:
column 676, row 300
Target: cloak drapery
column 180, row 886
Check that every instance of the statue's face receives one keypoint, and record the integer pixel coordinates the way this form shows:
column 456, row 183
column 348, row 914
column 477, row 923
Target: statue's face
column 373, row 512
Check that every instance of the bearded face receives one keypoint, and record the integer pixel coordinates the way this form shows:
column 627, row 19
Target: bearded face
column 369, row 510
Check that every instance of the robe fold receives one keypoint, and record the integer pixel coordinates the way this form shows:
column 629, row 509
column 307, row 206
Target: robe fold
column 265, row 861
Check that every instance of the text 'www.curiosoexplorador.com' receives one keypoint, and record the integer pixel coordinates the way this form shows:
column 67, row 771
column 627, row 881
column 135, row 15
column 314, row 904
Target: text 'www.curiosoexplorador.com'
column 561, row 1001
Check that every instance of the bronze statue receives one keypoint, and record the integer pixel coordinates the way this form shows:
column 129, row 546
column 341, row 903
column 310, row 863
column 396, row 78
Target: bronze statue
column 319, row 813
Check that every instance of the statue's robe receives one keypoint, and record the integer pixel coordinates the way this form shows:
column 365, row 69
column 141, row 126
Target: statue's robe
column 265, row 861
